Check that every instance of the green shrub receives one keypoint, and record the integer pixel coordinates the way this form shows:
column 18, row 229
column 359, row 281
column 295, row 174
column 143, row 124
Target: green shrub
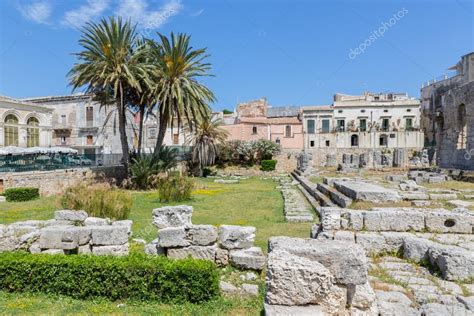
column 115, row 278
column 100, row 200
column 175, row 188
column 268, row 165
column 21, row 194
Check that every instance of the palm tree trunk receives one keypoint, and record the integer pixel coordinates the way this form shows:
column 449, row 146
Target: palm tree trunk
column 122, row 130
column 140, row 128
column 163, row 125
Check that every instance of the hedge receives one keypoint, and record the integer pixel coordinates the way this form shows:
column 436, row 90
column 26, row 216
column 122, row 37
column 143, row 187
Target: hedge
column 21, row 194
column 131, row 277
column 268, row 165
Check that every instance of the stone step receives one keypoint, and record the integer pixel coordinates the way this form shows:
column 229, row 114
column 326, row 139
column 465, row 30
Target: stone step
column 313, row 191
column 335, row 196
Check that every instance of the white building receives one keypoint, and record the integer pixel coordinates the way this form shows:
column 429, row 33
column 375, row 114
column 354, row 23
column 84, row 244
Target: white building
column 355, row 124
column 24, row 124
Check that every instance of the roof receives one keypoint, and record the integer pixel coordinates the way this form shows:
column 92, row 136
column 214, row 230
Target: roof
column 283, row 111
column 270, row 120
column 24, row 102
column 317, row 108
column 78, row 96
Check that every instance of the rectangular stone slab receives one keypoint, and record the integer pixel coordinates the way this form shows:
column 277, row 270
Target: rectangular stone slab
column 362, row 191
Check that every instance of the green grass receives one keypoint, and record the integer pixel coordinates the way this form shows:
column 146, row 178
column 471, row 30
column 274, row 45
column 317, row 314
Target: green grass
column 253, row 202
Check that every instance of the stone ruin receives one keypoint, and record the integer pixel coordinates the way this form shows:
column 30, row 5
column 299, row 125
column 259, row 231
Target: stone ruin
column 304, row 162
column 296, row 207
column 70, row 232
column 178, row 238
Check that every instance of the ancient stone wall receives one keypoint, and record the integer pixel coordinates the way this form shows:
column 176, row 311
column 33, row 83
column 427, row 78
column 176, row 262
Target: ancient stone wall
column 70, row 232
column 53, row 182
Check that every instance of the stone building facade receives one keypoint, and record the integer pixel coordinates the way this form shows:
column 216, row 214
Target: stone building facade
column 361, row 124
column 448, row 116
column 24, row 124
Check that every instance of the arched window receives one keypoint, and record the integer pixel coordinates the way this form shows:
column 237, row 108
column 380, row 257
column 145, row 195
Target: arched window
column 32, row 132
column 462, row 127
column 254, row 130
column 383, row 140
column 11, row 130
column 354, row 140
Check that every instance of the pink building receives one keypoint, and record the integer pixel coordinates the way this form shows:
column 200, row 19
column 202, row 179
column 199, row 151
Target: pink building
column 258, row 120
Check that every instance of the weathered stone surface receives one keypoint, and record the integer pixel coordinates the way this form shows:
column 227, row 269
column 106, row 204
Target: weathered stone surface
column 416, row 249
column 345, row 235
column 251, row 258
column 355, row 219
column 114, row 250
column 456, row 264
column 228, row 288
column 109, row 235
column 153, row 249
column 54, row 251
column 443, row 196
column 68, row 215
column 348, row 265
column 35, row 248
column 443, row 310
column 461, row 203
column 364, row 191
column 202, row 235
column 449, row 222
column 373, row 243
column 196, row 252
column 250, row 289
column 361, row 296
column 96, row 221
column 414, row 196
column 125, row 223
column 55, row 222
column 58, row 237
column 392, row 220
column 330, row 218
column 283, row 310
column 172, row 216
column 84, row 250
column 173, row 237
column 467, row 301
column 222, row 257
column 294, row 280
column 236, row 237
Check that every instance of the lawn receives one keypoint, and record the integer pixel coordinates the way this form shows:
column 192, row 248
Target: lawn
column 253, row 202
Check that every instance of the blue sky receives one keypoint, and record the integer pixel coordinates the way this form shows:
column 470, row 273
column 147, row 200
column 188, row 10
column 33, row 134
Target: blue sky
column 292, row 52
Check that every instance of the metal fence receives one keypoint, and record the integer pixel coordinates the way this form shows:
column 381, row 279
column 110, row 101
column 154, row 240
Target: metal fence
column 44, row 162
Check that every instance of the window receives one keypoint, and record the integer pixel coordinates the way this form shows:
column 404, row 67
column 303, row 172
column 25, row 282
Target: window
column 254, row 130
column 152, row 132
column 340, row 111
column 408, row 110
column 288, row 131
column 409, row 124
column 362, row 125
column 277, row 140
column 11, row 130
column 376, row 98
column 63, row 140
column 327, row 143
column 362, row 111
column 310, row 127
column 63, row 120
column 90, row 140
column 385, row 111
column 325, row 126
column 354, row 140
column 341, row 125
column 311, row 143
column 175, row 139
column 385, row 124
column 89, row 116
column 462, row 127
column 383, row 140
column 32, row 132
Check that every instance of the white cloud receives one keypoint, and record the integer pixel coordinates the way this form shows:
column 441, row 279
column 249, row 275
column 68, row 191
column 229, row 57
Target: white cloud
column 78, row 17
column 137, row 11
column 197, row 13
column 38, row 12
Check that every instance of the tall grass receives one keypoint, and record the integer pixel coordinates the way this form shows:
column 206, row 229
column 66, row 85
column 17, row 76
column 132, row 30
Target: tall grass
column 175, row 188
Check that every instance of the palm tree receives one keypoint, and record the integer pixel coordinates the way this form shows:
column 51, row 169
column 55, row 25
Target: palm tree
column 110, row 67
column 205, row 138
column 180, row 97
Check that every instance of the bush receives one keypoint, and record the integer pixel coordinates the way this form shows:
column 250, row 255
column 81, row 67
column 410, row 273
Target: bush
column 21, row 194
column 268, row 165
column 115, row 278
column 100, row 200
column 175, row 188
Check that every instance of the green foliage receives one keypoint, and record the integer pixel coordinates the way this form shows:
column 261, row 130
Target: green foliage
column 100, row 200
column 227, row 152
column 247, row 152
column 268, row 165
column 144, row 167
column 114, row 278
column 21, row 194
column 225, row 111
column 175, row 188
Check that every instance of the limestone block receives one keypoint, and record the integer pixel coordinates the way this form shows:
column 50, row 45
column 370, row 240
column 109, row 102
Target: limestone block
column 294, row 280
column 72, row 216
column 373, row 243
column 358, row 190
column 449, row 222
column 58, row 237
column 9, row 244
column 330, row 218
column 173, row 237
column 361, row 296
column 35, row 248
column 283, row 310
column 153, row 249
column 196, row 252
column 56, row 222
column 125, row 223
column 202, row 235
column 96, row 221
column 228, row 288
column 348, row 265
column 467, row 301
column 112, row 250
column 456, row 264
column 345, row 235
column 54, row 251
column 172, row 216
column 222, row 257
column 109, row 235
column 443, row 310
column 355, row 219
column 236, row 237
column 461, row 203
column 251, row 258
column 391, row 220
column 416, row 249
column 413, row 196
column 250, row 289
column 443, row 196
column 84, row 250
